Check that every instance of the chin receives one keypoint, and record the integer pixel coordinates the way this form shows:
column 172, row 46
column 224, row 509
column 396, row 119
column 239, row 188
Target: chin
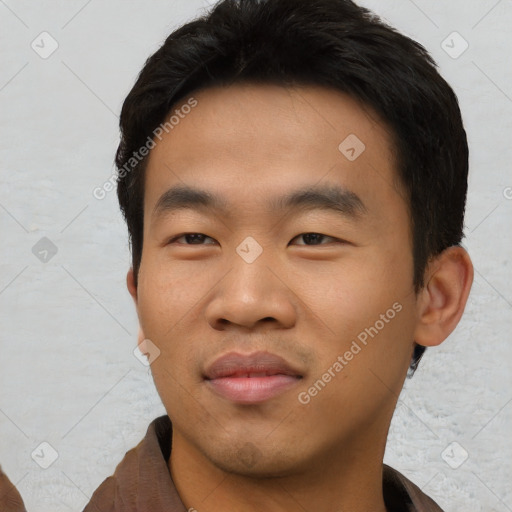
column 248, row 460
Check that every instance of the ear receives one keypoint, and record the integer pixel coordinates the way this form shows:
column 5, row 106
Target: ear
column 132, row 288
column 130, row 284
column 442, row 300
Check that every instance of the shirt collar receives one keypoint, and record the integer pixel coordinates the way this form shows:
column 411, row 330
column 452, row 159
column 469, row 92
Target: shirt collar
column 142, row 481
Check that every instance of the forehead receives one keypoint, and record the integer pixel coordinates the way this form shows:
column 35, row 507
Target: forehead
column 249, row 142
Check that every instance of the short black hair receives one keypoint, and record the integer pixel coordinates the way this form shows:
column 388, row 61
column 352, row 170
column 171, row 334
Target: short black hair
column 330, row 43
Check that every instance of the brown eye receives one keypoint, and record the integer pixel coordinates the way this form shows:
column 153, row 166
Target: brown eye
column 312, row 239
column 190, row 239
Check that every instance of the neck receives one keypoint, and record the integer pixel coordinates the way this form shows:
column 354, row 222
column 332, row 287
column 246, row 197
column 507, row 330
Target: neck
column 349, row 478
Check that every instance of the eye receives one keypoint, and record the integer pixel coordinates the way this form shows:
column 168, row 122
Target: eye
column 314, row 238
column 310, row 239
column 194, row 238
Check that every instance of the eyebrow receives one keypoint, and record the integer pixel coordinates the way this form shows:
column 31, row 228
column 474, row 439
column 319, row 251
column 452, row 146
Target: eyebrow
column 327, row 197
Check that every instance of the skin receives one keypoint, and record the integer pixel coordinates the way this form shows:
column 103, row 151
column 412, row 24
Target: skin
column 303, row 300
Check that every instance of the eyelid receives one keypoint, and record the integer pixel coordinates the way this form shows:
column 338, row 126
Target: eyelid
column 333, row 238
column 176, row 237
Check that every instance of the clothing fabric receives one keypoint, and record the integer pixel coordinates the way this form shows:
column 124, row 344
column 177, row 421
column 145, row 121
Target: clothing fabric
column 142, row 482
column 10, row 499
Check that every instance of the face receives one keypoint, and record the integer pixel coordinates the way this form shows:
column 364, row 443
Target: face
column 323, row 282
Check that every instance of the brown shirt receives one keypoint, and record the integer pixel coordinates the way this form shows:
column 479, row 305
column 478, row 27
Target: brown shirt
column 10, row 499
column 142, row 482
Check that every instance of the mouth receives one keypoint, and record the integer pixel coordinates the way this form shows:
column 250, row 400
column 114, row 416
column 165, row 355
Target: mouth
column 250, row 379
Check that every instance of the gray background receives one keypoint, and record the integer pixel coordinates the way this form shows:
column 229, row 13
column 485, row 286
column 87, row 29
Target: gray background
column 68, row 375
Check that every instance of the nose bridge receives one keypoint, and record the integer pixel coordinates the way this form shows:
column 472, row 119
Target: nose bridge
column 249, row 280
column 250, row 291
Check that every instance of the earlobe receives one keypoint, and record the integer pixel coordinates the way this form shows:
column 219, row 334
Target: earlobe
column 442, row 301
column 130, row 284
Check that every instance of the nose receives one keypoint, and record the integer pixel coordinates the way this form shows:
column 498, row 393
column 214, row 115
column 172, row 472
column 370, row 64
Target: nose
column 252, row 294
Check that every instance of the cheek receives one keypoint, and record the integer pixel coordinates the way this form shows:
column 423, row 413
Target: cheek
column 353, row 294
column 165, row 298
column 369, row 302
column 168, row 291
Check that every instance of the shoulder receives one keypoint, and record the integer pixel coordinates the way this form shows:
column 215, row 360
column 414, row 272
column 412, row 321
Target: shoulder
column 401, row 494
column 10, row 498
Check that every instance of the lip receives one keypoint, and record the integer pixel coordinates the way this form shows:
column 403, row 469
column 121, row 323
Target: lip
column 251, row 378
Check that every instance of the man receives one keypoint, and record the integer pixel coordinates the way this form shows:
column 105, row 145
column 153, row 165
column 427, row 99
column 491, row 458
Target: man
column 293, row 174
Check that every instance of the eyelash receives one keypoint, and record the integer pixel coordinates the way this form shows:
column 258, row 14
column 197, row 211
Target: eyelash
column 174, row 239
